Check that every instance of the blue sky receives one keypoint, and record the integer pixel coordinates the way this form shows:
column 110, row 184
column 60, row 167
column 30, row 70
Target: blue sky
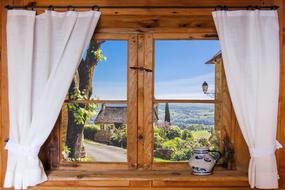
column 179, row 69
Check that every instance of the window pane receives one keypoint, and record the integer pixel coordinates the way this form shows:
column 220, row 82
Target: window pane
column 179, row 127
column 110, row 76
column 181, row 69
column 102, row 137
column 102, row 73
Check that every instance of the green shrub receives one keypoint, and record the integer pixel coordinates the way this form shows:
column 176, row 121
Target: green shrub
column 90, row 131
column 178, row 155
column 186, row 135
column 173, row 132
column 119, row 137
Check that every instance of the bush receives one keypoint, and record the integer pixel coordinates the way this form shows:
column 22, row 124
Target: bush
column 179, row 155
column 186, row 135
column 173, row 144
column 119, row 137
column 163, row 153
column 173, row 132
column 90, row 131
column 158, row 140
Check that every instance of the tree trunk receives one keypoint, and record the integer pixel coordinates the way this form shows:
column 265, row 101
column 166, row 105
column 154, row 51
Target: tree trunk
column 83, row 82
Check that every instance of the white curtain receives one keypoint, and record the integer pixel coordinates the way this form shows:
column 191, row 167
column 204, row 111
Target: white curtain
column 43, row 54
column 250, row 48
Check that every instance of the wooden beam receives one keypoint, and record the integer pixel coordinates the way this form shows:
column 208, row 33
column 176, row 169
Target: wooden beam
column 133, row 103
column 186, row 101
column 154, row 23
column 148, row 104
column 140, row 86
column 152, row 2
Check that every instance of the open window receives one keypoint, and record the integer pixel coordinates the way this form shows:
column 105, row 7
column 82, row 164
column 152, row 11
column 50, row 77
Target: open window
column 150, row 100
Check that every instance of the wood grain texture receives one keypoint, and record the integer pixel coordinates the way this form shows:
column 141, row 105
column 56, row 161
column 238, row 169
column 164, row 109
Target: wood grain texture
column 161, row 24
column 143, row 188
column 153, row 23
column 132, row 103
column 219, row 97
column 148, row 104
column 186, row 36
column 1, row 136
column 153, row 2
column 140, row 94
column 4, row 93
column 148, row 179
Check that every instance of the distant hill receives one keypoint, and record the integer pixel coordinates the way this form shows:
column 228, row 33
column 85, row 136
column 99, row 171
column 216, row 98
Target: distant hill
column 183, row 115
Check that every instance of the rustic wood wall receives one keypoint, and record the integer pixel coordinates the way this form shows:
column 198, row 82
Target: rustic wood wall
column 189, row 23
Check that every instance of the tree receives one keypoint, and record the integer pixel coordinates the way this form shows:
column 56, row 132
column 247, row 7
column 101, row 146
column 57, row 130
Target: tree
column 81, row 88
column 167, row 114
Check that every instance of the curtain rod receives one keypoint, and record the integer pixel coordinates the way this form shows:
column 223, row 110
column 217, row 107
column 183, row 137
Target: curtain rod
column 96, row 7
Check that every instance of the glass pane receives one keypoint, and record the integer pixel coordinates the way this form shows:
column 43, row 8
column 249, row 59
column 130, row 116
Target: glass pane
column 181, row 67
column 179, row 127
column 102, row 73
column 94, row 132
column 110, row 76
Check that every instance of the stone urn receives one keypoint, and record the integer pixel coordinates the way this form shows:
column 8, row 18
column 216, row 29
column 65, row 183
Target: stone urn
column 202, row 163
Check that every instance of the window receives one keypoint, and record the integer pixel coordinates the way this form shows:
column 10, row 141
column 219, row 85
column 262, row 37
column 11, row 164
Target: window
column 95, row 116
column 144, row 107
column 185, row 116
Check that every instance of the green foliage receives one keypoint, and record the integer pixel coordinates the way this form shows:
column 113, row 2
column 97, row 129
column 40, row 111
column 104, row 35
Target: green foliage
column 201, row 142
column 66, row 150
column 175, row 144
column 214, row 141
column 119, row 137
column 186, row 135
column 173, row 132
column 179, row 155
column 160, row 160
column 99, row 55
column 90, row 131
column 158, row 140
column 81, row 112
column 197, row 134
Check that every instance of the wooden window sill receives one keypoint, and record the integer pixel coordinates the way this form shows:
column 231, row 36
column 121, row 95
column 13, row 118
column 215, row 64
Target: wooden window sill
column 139, row 178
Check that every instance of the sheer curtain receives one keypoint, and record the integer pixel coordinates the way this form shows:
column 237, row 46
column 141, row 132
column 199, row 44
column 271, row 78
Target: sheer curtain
column 250, row 47
column 43, row 54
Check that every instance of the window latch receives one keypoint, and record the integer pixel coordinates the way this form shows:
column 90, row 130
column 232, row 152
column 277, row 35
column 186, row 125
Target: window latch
column 141, row 69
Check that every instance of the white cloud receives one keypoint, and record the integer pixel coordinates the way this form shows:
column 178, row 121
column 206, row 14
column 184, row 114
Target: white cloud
column 186, row 88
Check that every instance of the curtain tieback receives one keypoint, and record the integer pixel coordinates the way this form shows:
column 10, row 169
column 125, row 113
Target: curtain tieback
column 23, row 150
column 261, row 152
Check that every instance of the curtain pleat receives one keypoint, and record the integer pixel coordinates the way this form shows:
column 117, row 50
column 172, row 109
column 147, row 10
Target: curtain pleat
column 250, row 50
column 44, row 52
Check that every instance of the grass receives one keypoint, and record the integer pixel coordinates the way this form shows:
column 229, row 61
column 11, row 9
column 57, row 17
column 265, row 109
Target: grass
column 201, row 134
column 155, row 159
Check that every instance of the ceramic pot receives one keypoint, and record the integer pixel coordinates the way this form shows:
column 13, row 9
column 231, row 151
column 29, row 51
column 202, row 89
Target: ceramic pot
column 202, row 162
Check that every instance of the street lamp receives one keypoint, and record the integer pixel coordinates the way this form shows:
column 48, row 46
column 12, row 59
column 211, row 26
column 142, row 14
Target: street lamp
column 205, row 87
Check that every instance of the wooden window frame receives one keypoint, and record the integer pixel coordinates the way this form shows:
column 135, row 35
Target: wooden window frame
column 149, row 102
column 140, row 114
column 117, row 22
column 54, row 144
